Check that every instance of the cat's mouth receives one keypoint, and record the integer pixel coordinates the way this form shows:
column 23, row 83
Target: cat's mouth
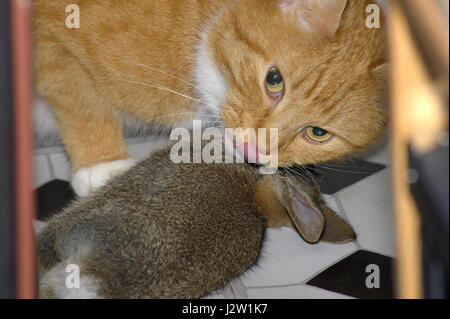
column 245, row 150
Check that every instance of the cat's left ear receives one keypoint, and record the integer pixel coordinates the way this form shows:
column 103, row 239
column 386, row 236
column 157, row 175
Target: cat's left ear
column 321, row 16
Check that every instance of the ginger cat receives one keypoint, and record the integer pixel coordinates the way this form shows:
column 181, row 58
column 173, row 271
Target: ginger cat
column 310, row 68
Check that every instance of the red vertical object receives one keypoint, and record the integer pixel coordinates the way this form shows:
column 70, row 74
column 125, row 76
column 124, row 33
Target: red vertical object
column 22, row 84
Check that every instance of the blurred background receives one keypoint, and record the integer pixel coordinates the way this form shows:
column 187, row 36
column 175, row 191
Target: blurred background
column 419, row 55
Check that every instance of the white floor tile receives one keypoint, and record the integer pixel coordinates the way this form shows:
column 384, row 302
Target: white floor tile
column 380, row 153
column 238, row 289
column 61, row 166
column 224, row 293
column 287, row 259
column 60, row 163
column 383, row 156
column 368, row 205
column 293, row 292
column 41, row 171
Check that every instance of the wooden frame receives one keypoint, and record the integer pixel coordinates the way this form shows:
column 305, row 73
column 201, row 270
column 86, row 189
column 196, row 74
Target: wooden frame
column 419, row 57
column 24, row 199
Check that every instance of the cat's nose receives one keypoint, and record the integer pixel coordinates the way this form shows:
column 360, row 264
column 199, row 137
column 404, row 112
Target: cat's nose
column 248, row 151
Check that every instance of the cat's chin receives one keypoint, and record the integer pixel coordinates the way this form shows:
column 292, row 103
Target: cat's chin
column 88, row 179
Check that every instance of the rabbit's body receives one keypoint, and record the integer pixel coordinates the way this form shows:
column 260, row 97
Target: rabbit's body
column 167, row 230
column 146, row 235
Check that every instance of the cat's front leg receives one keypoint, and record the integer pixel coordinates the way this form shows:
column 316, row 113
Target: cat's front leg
column 96, row 147
column 90, row 128
column 93, row 140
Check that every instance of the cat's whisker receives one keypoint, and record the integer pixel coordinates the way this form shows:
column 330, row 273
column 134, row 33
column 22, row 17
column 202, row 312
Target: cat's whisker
column 207, row 115
column 341, row 170
column 312, row 168
column 294, row 172
column 174, row 115
column 157, row 85
column 164, row 72
column 341, row 166
column 163, row 88
column 297, row 174
column 311, row 176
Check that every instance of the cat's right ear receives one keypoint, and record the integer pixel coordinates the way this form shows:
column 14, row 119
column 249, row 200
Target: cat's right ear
column 319, row 16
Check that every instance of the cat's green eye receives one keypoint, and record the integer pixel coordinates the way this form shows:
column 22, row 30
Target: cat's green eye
column 317, row 134
column 274, row 82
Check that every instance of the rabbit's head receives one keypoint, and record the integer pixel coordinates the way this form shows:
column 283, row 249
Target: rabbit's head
column 307, row 211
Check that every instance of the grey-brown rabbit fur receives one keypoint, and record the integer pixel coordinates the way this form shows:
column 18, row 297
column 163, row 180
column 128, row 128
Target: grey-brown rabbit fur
column 162, row 230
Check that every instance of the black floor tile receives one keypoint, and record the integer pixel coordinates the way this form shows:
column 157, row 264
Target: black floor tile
column 333, row 177
column 53, row 197
column 349, row 276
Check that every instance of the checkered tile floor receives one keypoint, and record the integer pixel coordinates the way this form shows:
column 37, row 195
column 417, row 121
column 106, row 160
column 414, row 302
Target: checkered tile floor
column 359, row 190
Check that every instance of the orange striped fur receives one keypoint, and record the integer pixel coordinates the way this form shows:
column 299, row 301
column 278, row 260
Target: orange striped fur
column 142, row 58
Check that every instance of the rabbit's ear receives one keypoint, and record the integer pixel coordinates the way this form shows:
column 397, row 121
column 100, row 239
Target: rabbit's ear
column 337, row 230
column 308, row 212
column 308, row 220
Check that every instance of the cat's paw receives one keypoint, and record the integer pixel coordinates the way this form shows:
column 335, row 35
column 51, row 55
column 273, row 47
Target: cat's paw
column 86, row 180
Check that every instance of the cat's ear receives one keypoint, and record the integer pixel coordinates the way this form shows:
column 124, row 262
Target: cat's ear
column 321, row 16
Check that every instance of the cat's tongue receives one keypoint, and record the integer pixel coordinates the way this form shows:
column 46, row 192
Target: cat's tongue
column 248, row 151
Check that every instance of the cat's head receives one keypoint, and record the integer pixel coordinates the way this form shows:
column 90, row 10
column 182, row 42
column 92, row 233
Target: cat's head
column 310, row 68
